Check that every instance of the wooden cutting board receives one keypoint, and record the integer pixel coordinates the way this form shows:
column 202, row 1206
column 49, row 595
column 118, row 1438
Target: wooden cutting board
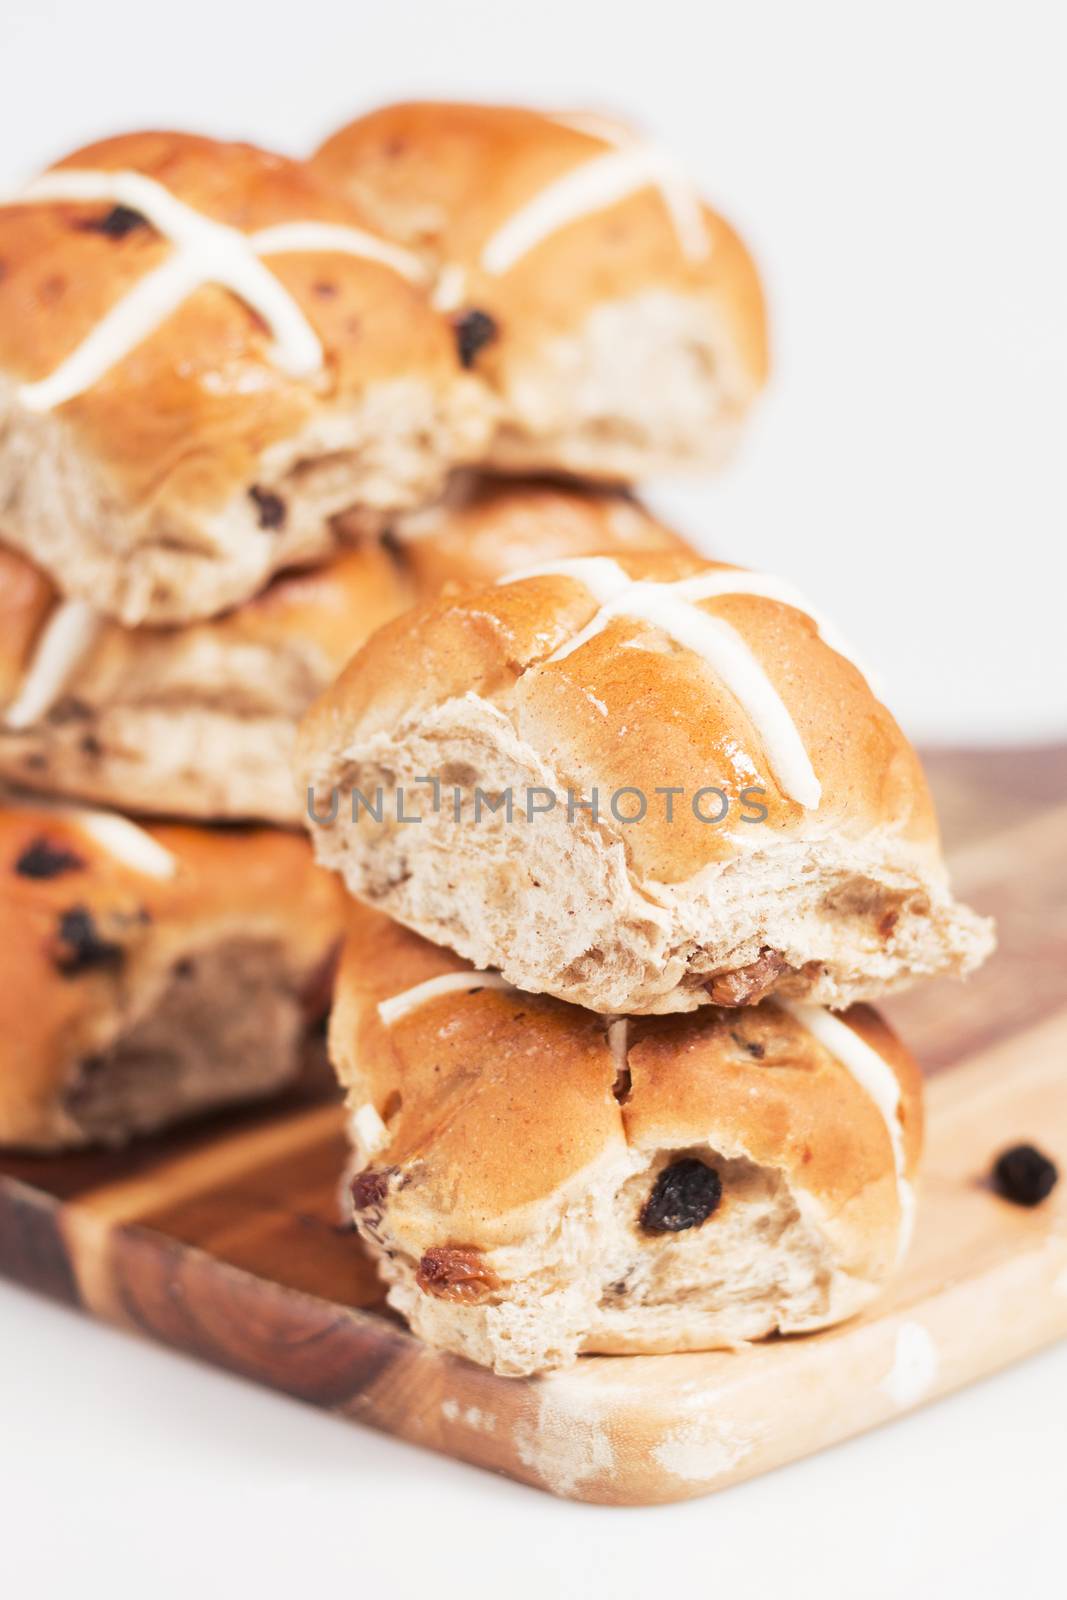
column 224, row 1241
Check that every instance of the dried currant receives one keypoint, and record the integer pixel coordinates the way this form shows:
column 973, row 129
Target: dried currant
column 43, row 860
column 473, row 330
column 116, row 223
column 1024, row 1175
column 369, row 1189
column 683, row 1196
column 270, row 508
column 80, row 946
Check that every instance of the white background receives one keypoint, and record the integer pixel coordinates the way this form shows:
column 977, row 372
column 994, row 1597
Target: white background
column 899, row 171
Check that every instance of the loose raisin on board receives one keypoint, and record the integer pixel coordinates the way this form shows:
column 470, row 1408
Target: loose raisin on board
column 43, row 860
column 683, row 1196
column 1024, row 1175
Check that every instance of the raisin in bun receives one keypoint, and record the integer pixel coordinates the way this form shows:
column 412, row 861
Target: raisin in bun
column 798, row 853
column 204, row 354
column 535, row 1180
column 616, row 319
column 200, row 721
column 149, row 974
column 196, row 721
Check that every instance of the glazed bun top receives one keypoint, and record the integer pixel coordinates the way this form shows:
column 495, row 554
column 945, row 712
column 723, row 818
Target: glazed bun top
column 640, row 782
column 162, row 287
column 641, row 672
column 486, row 527
column 536, row 217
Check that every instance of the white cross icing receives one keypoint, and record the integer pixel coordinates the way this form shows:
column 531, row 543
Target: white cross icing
column 367, row 1131
column 399, row 1005
column 878, row 1080
column 594, row 185
column 205, row 252
column 674, row 608
column 123, row 840
column 68, row 636
column 628, row 167
column 128, row 843
column 677, row 190
column 871, row 1072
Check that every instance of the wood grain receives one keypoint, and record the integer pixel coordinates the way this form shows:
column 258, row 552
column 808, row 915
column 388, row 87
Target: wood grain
column 224, row 1241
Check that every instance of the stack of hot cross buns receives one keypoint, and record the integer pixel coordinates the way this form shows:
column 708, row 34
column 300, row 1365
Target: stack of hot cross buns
column 622, row 839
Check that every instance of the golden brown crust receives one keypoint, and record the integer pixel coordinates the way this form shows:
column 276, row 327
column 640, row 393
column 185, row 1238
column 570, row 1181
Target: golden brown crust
column 83, row 933
column 474, row 1066
column 141, row 721
column 336, row 606
column 207, row 371
column 488, row 526
column 496, row 1101
column 629, row 709
column 182, row 425
column 331, row 608
column 444, row 178
column 660, row 783
column 260, row 664
column 782, row 1096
